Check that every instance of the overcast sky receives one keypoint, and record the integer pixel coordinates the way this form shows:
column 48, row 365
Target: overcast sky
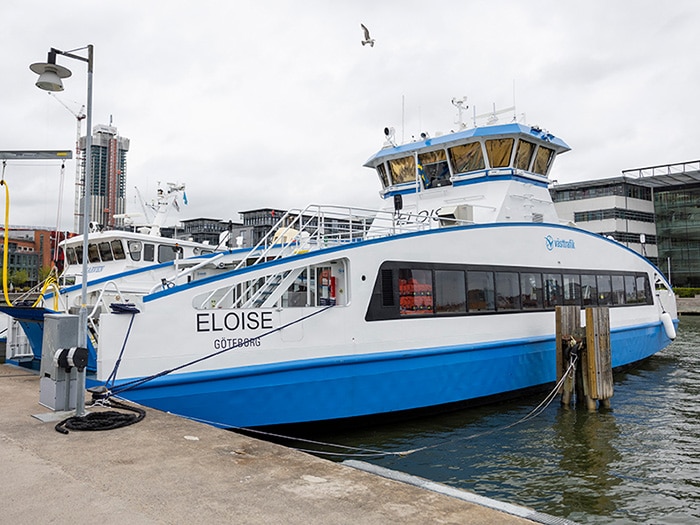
column 277, row 104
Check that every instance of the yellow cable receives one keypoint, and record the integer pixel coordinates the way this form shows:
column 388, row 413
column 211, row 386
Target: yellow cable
column 6, row 242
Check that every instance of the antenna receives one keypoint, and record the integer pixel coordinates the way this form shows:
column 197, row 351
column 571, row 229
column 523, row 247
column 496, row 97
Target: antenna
column 459, row 103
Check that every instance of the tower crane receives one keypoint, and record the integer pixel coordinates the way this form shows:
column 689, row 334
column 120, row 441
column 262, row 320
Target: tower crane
column 79, row 117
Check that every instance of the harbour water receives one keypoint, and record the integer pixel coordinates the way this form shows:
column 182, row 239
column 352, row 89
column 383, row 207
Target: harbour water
column 637, row 463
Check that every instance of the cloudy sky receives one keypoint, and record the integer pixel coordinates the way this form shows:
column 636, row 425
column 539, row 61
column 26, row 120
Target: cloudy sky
column 276, row 103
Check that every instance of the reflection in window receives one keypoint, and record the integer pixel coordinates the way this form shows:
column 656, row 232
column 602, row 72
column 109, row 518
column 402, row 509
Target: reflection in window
column 105, row 251
column 71, row 256
column 481, row 293
column 135, row 250
column 450, row 295
column 531, row 291
column 149, row 251
column 467, row 157
column 553, row 295
column 507, row 291
column 618, row 286
column 543, row 160
column 572, row 289
column 643, row 289
column 167, row 252
column 415, row 291
column 630, row 289
column 605, row 296
column 433, row 169
column 403, row 170
column 499, row 152
column 93, row 253
column 118, row 250
column 589, row 290
column 523, row 155
column 381, row 171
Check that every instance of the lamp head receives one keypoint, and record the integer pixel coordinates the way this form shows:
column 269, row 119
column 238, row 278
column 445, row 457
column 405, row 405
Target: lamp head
column 50, row 75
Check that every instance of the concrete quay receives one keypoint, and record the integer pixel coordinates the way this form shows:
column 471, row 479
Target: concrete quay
column 170, row 470
column 688, row 305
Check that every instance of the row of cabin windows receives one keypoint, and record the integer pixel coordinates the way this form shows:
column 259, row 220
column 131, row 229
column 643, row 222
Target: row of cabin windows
column 106, row 251
column 435, row 167
column 436, row 291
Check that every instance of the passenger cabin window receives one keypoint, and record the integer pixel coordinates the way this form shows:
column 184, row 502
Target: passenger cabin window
column 432, row 289
column 523, row 155
column 499, row 152
column 480, row 292
column 543, row 160
column 402, row 170
column 450, row 292
column 433, row 169
column 149, row 251
column 467, row 157
column 531, row 291
column 415, row 292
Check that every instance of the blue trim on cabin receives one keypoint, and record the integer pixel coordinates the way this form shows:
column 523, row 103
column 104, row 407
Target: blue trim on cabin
column 359, row 385
column 323, row 252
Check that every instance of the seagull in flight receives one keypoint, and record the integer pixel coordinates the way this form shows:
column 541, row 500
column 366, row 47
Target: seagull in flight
column 368, row 39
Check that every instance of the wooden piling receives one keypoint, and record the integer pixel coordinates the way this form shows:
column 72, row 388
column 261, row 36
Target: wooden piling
column 598, row 362
column 568, row 329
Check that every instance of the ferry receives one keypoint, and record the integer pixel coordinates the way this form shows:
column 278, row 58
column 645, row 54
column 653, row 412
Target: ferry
column 445, row 296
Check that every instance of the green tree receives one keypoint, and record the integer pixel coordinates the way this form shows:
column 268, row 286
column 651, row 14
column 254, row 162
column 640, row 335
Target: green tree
column 18, row 278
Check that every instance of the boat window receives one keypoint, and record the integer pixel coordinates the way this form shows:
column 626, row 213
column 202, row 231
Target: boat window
column 79, row 254
column 480, row 292
column 531, row 291
column 71, row 256
column 499, row 152
column 402, row 170
column 326, row 286
column 618, row 289
column 630, row 289
column 118, row 250
column 572, row 289
column 543, row 160
column 298, row 293
column 467, row 157
column 93, row 253
column 149, row 251
column 523, row 154
column 644, row 290
column 381, row 171
column 450, row 292
column 553, row 294
column 604, row 290
column 167, row 252
column 105, row 251
column 135, row 250
column 507, row 291
column 433, row 169
column 415, row 291
column 589, row 290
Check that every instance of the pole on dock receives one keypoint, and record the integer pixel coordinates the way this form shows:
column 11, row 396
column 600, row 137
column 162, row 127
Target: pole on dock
column 592, row 381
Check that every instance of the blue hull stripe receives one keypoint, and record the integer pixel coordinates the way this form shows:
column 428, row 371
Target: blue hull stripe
column 341, row 387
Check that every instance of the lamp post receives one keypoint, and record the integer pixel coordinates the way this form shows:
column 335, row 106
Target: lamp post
column 50, row 75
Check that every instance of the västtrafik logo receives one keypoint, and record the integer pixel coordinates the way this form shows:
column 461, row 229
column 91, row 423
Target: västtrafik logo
column 551, row 243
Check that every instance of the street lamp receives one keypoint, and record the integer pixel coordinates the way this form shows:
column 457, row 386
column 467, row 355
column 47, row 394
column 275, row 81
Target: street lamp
column 50, row 79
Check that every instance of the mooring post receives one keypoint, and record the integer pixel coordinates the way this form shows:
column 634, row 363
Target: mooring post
column 568, row 332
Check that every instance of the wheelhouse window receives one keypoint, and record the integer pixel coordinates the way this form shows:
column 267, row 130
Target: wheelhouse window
column 543, row 159
column 499, row 152
column 149, row 251
column 480, row 291
column 433, row 169
column 93, row 253
column 523, row 154
column 381, row 171
column 467, row 157
column 135, row 249
column 415, row 291
column 71, row 256
column 105, row 251
column 167, row 252
column 402, row 170
column 450, row 292
column 118, row 250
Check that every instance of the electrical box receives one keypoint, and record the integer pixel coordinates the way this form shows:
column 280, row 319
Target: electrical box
column 56, row 385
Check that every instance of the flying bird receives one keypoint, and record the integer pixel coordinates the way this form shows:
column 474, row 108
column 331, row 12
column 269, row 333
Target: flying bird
column 368, row 39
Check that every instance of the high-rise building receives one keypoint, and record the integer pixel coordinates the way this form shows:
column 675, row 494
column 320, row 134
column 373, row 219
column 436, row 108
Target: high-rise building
column 108, row 178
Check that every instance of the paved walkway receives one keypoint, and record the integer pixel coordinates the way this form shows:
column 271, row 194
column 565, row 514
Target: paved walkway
column 169, row 470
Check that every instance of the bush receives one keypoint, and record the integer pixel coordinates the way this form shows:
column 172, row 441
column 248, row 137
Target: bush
column 687, row 292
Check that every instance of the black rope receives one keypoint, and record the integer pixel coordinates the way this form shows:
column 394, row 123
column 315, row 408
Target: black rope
column 108, row 420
